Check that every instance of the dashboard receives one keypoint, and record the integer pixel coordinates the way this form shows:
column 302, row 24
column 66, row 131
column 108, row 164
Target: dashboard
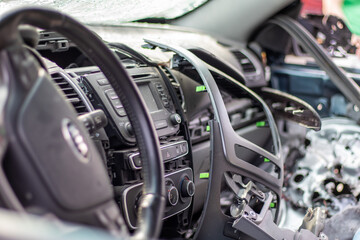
column 228, row 148
column 177, row 101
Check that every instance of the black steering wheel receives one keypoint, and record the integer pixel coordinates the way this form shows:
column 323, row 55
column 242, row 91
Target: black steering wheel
column 51, row 161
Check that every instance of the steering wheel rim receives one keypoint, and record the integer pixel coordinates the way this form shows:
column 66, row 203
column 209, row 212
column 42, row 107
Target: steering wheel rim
column 153, row 188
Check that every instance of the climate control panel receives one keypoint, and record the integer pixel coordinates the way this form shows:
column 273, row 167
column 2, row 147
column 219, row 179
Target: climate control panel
column 179, row 187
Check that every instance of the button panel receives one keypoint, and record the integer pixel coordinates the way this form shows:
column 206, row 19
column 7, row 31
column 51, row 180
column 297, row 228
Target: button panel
column 115, row 102
column 169, row 152
column 164, row 98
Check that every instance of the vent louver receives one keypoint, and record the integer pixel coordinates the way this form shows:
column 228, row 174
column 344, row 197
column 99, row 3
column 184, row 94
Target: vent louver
column 245, row 62
column 175, row 84
column 71, row 95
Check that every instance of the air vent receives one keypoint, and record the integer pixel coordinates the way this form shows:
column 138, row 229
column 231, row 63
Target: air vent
column 176, row 86
column 246, row 64
column 71, row 95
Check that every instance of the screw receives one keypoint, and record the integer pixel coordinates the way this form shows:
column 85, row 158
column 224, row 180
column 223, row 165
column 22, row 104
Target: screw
column 323, row 236
column 253, row 215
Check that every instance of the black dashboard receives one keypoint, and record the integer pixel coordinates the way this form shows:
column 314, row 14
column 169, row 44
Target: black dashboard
column 179, row 105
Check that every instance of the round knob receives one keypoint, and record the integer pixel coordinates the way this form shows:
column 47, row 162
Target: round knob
column 187, row 188
column 175, row 119
column 129, row 129
column 172, row 195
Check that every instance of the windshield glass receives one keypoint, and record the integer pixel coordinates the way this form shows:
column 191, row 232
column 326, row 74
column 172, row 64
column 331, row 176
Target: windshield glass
column 111, row 11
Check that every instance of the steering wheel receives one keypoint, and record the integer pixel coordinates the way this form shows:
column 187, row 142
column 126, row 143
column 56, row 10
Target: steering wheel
column 51, row 161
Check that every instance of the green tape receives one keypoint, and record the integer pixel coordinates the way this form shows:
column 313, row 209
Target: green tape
column 204, row 175
column 208, row 128
column 261, row 124
column 266, row 160
column 200, row 88
column 272, row 205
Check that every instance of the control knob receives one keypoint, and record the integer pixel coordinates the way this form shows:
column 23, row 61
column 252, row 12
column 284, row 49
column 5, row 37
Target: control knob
column 172, row 194
column 175, row 119
column 187, row 188
column 129, row 129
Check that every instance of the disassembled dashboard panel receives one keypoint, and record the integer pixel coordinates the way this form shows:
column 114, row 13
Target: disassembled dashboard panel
column 291, row 108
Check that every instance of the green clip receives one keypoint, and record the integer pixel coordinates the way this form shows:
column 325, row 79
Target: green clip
column 272, row 205
column 204, row 175
column 200, row 88
column 266, row 160
column 208, row 128
column 261, row 124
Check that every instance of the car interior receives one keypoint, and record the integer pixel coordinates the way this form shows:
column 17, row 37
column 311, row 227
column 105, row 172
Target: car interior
column 203, row 126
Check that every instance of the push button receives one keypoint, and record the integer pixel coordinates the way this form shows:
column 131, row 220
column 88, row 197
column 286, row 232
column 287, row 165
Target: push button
column 137, row 161
column 116, row 103
column 165, row 102
column 111, row 94
column 103, row 82
column 183, row 148
column 120, row 111
column 166, row 154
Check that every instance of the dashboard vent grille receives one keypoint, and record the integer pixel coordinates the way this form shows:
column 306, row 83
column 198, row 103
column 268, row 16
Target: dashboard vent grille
column 176, row 85
column 245, row 62
column 71, row 95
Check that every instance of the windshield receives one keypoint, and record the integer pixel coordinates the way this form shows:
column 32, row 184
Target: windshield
column 111, row 11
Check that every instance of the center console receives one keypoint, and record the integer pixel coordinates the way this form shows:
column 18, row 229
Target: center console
column 86, row 88
column 124, row 160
